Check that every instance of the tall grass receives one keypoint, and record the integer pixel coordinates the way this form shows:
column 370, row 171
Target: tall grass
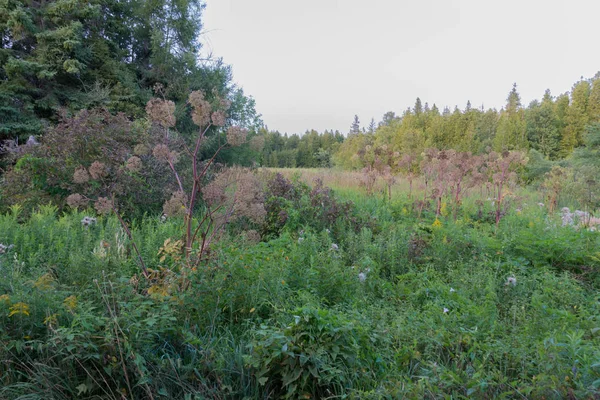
column 406, row 306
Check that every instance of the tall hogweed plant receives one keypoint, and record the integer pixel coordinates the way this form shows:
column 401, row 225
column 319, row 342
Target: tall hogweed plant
column 218, row 200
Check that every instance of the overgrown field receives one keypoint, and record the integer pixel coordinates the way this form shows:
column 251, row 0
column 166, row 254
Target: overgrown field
column 368, row 299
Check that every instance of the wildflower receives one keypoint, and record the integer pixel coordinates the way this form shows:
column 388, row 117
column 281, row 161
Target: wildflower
column 5, row 298
column 51, row 320
column 134, row 164
column 76, row 200
column 87, row 221
column 334, row 247
column 19, row 308
column 446, row 310
column 444, row 209
column 452, row 290
column 3, row 248
column 70, row 303
column 31, row 141
column 581, row 214
column 163, row 218
column 44, row 282
column 511, row 280
column 567, row 216
column 540, row 204
column 362, row 277
column 300, row 240
column 236, row 136
column 81, row 176
column 437, row 223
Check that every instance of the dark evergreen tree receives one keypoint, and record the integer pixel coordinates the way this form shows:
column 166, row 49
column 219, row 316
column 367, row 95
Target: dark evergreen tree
column 355, row 127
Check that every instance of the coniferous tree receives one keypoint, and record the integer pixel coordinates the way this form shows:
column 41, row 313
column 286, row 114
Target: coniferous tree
column 355, row 127
column 388, row 118
column 576, row 118
column 418, row 109
column 594, row 101
column 542, row 126
column 372, row 126
column 511, row 133
column 65, row 55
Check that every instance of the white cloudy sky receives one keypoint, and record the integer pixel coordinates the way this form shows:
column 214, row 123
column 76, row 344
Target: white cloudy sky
column 313, row 64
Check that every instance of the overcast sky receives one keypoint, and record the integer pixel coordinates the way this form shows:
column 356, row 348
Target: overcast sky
column 313, row 64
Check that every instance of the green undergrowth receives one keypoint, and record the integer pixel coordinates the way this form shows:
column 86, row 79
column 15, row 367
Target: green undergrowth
column 395, row 306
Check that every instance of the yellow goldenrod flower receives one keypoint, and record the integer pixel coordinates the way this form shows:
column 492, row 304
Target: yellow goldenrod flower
column 70, row 303
column 444, row 209
column 51, row 320
column 19, row 308
column 158, row 291
column 44, row 282
column 437, row 223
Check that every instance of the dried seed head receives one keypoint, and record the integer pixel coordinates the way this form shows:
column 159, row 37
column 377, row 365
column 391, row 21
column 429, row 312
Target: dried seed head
column 98, row 170
column 236, row 136
column 214, row 193
column 76, row 200
column 103, row 205
column 134, row 164
column 257, row 143
column 161, row 112
column 81, row 176
column 201, row 108
column 176, row 205
column 252, row 236
column 162, row 153
column 218, row 118
column 141, row 150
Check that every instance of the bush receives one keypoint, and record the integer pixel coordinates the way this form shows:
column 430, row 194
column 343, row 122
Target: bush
column 319, row 354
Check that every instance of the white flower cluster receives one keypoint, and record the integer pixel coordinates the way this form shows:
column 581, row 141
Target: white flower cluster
column 4, row 248
column 87, row 221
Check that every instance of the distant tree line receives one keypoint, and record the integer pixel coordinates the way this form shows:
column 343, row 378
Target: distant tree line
column 550, row 129
column 310, row 150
